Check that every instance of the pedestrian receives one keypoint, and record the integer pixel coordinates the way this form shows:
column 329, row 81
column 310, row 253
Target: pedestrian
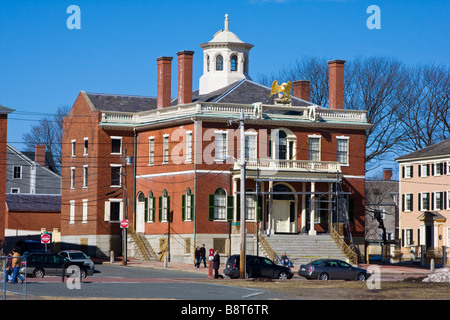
column 202, row 255
column 285, row 262
column 216, row 264
column 197, row 257
column 15, row 264
column 7, row 272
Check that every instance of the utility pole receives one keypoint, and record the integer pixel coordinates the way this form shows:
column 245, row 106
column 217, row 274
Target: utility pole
column 242, row 266
column 125, row 207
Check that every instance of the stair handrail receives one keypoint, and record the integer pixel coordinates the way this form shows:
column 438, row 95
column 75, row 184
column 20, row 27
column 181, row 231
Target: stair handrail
column 268, row 248
column 138, row 241
column 351, row 254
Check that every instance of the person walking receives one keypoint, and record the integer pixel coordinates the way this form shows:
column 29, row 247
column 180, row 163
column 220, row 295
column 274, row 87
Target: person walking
column 15, row 265
column 216, row 264
column 197, row 257
column 202, row 255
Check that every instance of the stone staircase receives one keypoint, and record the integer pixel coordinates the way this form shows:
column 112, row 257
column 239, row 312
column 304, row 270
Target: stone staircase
column 303, row 248
column 144, row 249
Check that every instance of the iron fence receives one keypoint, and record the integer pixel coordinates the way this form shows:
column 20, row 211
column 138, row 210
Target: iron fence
column 13, row 282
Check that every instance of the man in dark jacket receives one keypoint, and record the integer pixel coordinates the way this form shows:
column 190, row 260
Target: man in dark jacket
column 216, row 264
column 202, row 255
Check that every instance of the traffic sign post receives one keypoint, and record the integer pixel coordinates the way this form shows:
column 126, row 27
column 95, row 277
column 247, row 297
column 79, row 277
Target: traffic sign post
column 124, row 224
column 45, row 239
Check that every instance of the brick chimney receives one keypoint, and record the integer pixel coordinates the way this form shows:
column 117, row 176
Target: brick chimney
column 39, row 154
column 302, row 89
column 336, row 84
column 387, row 174
column 164, row 82
column 185, row 76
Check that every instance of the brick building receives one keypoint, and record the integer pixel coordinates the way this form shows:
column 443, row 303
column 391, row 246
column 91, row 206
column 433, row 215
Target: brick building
column 183, row 181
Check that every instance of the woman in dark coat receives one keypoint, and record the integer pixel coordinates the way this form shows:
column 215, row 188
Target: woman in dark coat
column 216, row 264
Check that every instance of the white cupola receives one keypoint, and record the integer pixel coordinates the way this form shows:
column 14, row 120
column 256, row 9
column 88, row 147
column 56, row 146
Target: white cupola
column 225, row 60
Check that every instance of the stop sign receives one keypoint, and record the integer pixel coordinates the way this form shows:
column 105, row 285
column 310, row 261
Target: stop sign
column 124, row 223
column 45, row 238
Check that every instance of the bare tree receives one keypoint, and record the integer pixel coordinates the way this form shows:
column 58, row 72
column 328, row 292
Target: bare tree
column 48, row 132
column 424, row 113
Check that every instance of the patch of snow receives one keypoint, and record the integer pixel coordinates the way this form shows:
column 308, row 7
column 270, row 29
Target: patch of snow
column 439, row 275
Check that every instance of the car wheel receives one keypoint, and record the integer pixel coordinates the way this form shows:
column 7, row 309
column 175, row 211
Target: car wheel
column 83, row 273
column 38, row 273
column 247, row 275
column 361, row 276
column 283, row 275
column 324, row 276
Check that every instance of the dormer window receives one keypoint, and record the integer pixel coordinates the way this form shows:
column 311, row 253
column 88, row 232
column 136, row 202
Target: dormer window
column 234, row 63
column 219, row 63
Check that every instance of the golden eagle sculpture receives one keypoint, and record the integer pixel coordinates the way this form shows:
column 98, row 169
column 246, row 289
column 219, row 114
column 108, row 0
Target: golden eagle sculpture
column 284, row 88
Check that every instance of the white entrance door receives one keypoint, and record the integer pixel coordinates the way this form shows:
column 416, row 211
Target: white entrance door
column 140, row 216
column 281, row 209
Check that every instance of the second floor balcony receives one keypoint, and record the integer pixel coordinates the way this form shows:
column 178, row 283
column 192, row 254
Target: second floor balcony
column 279, row 165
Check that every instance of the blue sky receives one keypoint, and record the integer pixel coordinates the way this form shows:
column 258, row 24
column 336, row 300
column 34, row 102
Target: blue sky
column 44, row 65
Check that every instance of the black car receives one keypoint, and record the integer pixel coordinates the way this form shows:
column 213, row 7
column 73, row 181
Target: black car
column 39, row 265
column 332, row 269
column 257, row 267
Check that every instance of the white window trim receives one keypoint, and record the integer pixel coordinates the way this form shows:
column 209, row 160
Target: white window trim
column 12, row 190
column 165, row 141
column 85, row 210
column 408, row 170
column 421, row 201
column 72, row 212
column 320, row 145
column 21, row 172
column 435, row 193
column 151, row 157
column 347, row 163
column 73, row 147
column 120, row 181
column 254, row 134
column 406, row 202
column 85, row 150
column 108, row 211
column 72, row 178
column 221, row 132
column 189, row 146
column 436, row 165
column 85, row 176
column 117, row 138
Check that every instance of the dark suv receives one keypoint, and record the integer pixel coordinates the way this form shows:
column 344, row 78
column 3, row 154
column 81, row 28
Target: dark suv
column 257, row 267
column 40, row 264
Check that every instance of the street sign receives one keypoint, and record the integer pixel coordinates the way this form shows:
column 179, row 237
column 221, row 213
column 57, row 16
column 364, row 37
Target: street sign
column 45, row 238
column 124, row 224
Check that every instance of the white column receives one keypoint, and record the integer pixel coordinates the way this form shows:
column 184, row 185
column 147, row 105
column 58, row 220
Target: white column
column 330, row 206
column 303, row 226
column 312, row 210
column 270, row 213
column 234, row 193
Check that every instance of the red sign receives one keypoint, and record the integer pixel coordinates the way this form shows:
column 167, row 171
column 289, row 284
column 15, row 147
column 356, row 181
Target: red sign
column 124, row 223
column 45, row 238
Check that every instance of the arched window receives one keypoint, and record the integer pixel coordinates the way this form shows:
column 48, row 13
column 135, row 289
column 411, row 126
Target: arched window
column 208, row 60
column 234, row 63
column 140, row 197
column 150, row 208
column 282, row 145
column 187, row 205
column 219, row 63
column 220, row 204
column 164, row 206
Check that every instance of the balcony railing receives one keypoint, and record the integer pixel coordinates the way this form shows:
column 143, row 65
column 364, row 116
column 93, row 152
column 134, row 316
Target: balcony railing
column 251, row 111
column 291, row 165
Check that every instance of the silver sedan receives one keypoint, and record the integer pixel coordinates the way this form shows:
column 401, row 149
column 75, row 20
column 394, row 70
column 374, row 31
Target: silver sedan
column 332, row 269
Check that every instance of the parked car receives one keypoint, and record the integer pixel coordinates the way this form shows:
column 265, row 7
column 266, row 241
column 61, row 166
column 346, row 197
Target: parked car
column 332, row 269
column 79, row 256
column 39, row 265
column 257, row 267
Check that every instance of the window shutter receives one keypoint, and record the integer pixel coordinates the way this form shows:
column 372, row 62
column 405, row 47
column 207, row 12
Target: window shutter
column 420, row 171
column 211, row 207
column 445, row 202
column 403, row 172
column 412, row 202
column 183, row 207
column 153, row 209
column 169, row 215
column 432, row 169
column 160, row 208
column 107, row 210
column 146, row 209
column 403, row 237
column 260, row 208
column 403, row 202
column 192, row 206
column 230, row 208
column 411, row 170
column 419, row 201
column 432, row 201
column 238, row 217
column 411, row 236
